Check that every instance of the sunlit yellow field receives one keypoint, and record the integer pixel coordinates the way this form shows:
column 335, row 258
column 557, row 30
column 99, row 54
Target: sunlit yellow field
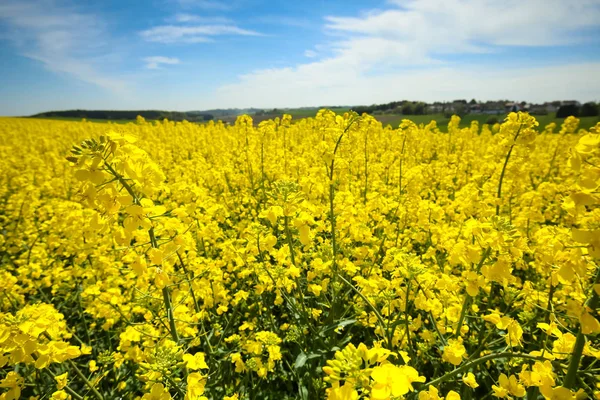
column 329, row 257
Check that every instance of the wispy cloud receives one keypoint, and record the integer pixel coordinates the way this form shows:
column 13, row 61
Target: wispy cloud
column 372, row 57
column 310, row 53
column 272, row 88
column 156, row 61
column 184, row 18
column 192, row 34
column 62, row 38
column 294, row 21
column 206, row 4
column 455, row 26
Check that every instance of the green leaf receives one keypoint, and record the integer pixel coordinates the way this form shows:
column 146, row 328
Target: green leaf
column 336, row 325
column 346, row 322
column 303, row 391
column 300, row 360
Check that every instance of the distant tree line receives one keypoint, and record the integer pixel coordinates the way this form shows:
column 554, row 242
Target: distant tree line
column 462, row 107
column 268, row 112
column 590, row 109
column 459, row 107
column 192, row 116
column 402, row 107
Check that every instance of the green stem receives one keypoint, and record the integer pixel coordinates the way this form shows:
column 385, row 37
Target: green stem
column 406, row 322
column 169, row 308
column 467, row 301
column 285, row 151
column 580, row 340
column 84, row 379
column 187, row 276
column 477, row 362
column 122, row 181
column 289, row 239
column 290, row 244
column 332, row 196
column 371, row 306
column 262, row 170
column 78, row 372
column 166, row 295
column 366, row 167
column 332, row 223
column 334, row 248
column 176, row 386
column 400, row 168
column 67, row 389
column 512, row 146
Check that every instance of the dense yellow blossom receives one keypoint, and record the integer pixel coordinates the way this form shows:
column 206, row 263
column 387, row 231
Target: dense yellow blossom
column 330, row 257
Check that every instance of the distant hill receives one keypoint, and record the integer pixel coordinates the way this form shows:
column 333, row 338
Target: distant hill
column 115, row 115
column 225, row 114
column 391, row 112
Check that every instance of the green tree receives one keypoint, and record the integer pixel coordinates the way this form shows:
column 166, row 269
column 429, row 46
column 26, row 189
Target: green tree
column 407, row 109
column 589, row 109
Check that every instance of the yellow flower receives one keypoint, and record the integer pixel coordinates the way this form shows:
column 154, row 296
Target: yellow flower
column 391, row 380
column 427, row 229
column 589, row 324
column 454, row 352
column 452, row 395
column 13, row 382
column 93, row 367
column 236, row 358
column 563, row 346
column 469, row 380
column 345, row 392
column 315, row 289
column 195, row 362
column 195, row 387
column 431, row 394
column 161, row 279
column 508, row 386
column 157, row 392
column 515, row 333
column 541, row 375
column 61, row 380
column 560, row 393
column 60, row 395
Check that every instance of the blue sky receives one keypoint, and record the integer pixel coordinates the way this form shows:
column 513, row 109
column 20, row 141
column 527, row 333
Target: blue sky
column 201, row 54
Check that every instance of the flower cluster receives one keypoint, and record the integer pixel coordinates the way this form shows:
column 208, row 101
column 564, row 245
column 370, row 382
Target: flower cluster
column 329, row 257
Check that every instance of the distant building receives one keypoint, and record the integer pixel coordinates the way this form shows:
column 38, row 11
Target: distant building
column 512, row 107
column 492, row 108
column 434, row 108
column 539, row 109
column 476, row 108
column 550, row 107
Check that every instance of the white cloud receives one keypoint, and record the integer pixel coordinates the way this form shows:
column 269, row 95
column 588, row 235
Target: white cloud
column 63, row 39
column 206, row 4
column 310, row 53
column 288, row 21
column 192, row 18
column 317, row 84
column 399, row 52
column 192, row 34
column 156, row 61
column 457, row 26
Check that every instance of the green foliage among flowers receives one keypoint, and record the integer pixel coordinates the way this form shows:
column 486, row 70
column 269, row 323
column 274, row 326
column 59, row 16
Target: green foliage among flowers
column 329, row 257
